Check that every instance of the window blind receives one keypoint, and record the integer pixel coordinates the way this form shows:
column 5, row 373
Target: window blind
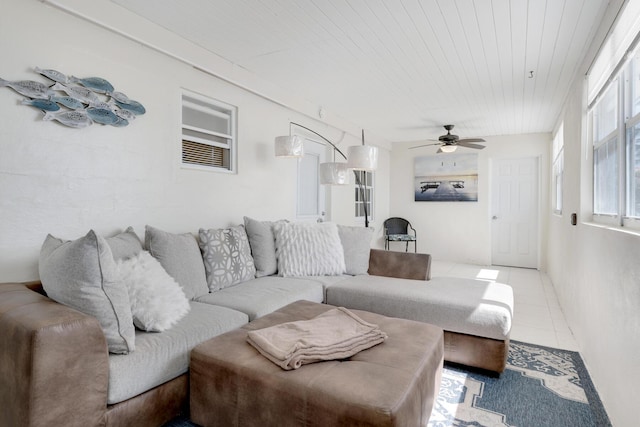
column 612, row 55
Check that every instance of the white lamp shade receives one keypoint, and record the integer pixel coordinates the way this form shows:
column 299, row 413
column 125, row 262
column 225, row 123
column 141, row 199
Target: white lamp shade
column 363, row 157
column 289, row 146
column 334, row 173
column 448, row 148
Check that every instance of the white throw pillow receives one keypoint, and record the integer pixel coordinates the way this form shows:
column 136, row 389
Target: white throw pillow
column 157, row 300
column 308, row 249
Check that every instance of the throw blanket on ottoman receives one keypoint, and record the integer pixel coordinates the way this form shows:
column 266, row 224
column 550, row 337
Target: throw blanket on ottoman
column 335, row 334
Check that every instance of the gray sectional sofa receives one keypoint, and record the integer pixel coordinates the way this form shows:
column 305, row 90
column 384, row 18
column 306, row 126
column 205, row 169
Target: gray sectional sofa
column 55, row 363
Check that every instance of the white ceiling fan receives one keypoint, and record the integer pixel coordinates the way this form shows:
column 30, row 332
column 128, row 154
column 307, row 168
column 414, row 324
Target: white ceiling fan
column 449, row 142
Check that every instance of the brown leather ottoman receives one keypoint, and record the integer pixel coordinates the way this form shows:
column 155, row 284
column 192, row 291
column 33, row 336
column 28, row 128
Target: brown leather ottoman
column 391, row 384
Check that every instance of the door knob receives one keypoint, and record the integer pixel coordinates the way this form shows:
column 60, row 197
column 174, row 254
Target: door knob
column 494, row 217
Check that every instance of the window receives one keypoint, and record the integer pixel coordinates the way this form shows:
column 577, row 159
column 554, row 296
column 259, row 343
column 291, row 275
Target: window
column 558, row 169
column 366, row 179
column 615, row 120
column 633, row 139
column 208, row 133
column 606, row 139
column 613, row 96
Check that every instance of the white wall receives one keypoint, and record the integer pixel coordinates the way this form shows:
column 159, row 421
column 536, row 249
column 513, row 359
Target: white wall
column 64, row 181
column 596, row 274
column 461, row 231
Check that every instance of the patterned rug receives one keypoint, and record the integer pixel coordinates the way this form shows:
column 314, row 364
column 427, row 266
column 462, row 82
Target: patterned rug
column 541, row 387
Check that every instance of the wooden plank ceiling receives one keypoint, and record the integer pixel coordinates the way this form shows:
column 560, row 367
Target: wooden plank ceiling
column 402, row 68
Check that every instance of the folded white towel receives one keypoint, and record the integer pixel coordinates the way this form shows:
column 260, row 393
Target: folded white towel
column 335, row 334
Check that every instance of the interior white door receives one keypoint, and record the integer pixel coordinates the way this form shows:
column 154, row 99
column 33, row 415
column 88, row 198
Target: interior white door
column 514, row 206
column 311, row 199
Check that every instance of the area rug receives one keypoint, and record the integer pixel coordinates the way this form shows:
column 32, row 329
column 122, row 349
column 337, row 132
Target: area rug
column 541, row 387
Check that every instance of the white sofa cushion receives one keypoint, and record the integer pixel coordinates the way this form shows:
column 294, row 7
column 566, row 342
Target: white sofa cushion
column 466, row 306
column 263, row 295
column 162, row 356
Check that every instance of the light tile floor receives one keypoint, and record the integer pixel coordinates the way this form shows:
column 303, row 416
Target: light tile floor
column 537, row 318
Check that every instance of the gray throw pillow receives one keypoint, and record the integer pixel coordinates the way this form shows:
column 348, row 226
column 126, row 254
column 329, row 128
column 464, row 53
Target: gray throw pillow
column 263, row 246
column 125, row 245
column 180, row 256
column 356, row 243
column 82, row 274
column 227, row 257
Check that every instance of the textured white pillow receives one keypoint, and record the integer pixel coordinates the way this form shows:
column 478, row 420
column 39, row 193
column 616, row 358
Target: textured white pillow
column 308, row 249
column 157, row 300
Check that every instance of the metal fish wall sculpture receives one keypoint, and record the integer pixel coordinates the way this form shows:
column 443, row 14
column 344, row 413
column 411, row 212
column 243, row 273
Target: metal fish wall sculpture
column 71, row 118
column 102, row 115
column 67, row 101
column 54, row 75
column 96, row 84
column 43, row 104
column 28, row 88
column 83, row 94
column 77, row 102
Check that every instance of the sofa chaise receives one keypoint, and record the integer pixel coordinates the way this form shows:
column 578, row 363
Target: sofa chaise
column 57, row 368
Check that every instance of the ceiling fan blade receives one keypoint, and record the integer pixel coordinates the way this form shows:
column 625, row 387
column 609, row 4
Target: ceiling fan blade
column 425, row 145
column 469, row 145
column 439, row 151
column 471, row 140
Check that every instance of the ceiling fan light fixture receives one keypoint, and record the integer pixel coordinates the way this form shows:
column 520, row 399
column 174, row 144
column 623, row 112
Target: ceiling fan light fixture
column 448, row 148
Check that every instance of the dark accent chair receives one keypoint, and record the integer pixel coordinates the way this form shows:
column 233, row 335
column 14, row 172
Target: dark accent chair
column 399, row 230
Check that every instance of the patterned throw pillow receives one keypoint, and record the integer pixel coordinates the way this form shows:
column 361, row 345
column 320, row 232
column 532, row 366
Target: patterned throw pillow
column 227, row 257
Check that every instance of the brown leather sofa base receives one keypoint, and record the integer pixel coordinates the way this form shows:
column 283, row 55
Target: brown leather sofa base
column 152, row 408
column 394, row 383
column 469, row 350
column 403, row 265
column 52, row 358
column 54, row 369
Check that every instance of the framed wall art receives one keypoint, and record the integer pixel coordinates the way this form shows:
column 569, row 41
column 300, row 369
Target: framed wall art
column 446, row 178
